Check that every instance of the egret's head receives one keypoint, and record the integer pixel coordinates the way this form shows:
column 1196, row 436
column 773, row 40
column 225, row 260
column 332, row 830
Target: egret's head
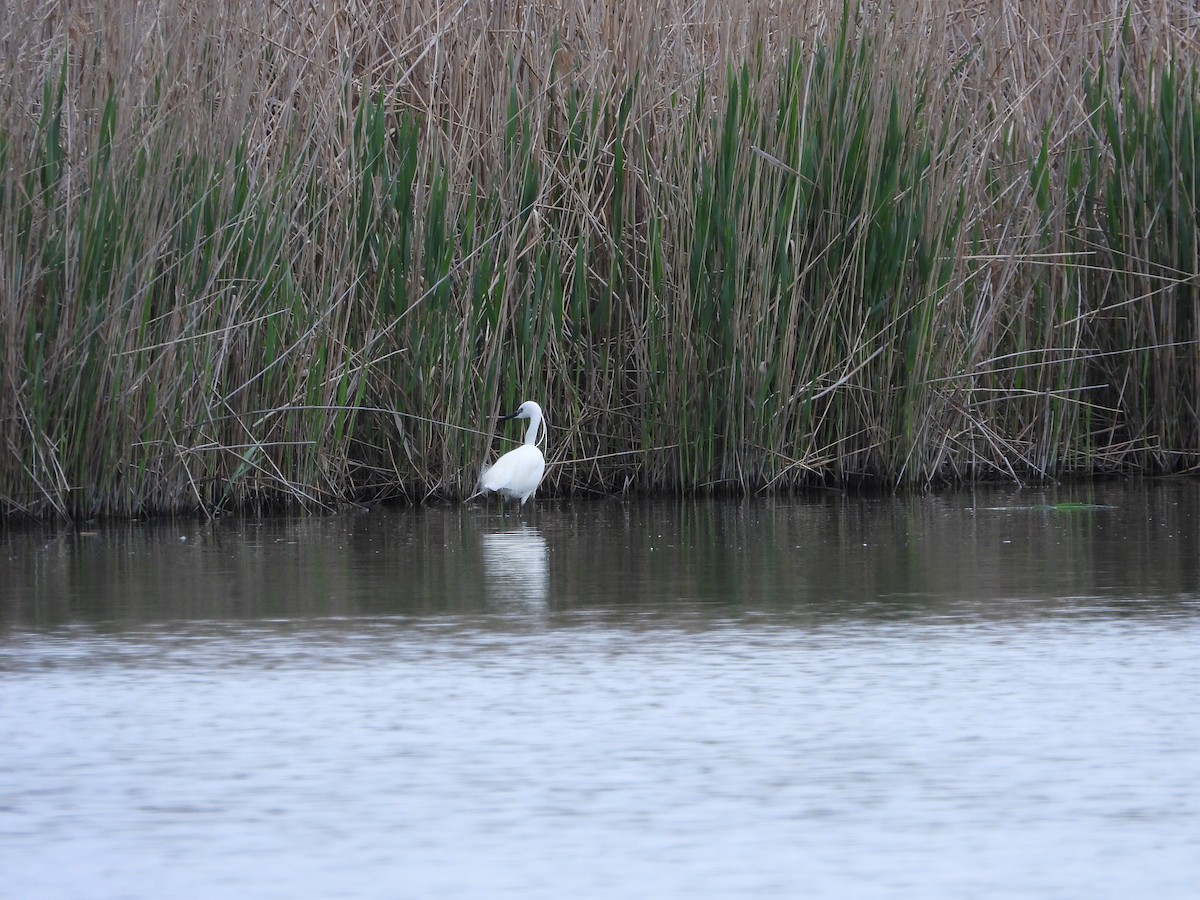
column 527, row 410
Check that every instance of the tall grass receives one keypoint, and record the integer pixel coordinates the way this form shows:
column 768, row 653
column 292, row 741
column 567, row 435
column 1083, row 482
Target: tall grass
column 254, row 255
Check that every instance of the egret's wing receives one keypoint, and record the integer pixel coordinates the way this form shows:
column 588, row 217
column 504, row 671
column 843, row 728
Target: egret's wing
column 495, row 476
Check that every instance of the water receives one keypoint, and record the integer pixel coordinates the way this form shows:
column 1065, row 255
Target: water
column 954, row 696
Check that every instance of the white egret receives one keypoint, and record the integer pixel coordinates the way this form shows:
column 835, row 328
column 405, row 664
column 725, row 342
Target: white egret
column 517, row 474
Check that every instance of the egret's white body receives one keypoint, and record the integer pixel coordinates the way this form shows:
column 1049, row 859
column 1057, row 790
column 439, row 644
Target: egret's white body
column 517, row 474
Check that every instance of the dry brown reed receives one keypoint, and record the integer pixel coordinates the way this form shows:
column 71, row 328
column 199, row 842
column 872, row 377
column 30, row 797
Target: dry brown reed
column 263, row 253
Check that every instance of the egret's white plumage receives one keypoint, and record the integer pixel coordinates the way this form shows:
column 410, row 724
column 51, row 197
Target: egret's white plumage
column 517, row 474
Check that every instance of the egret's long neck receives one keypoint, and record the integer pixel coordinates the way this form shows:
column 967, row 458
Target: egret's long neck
column 531, row 432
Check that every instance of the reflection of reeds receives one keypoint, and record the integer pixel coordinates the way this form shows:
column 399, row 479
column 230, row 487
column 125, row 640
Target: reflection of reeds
column 254, row 255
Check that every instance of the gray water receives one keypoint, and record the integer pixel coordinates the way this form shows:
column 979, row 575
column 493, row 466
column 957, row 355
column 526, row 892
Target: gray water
column 968, row 695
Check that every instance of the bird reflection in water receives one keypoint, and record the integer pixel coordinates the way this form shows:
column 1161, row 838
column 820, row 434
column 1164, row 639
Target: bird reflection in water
column 516, row 564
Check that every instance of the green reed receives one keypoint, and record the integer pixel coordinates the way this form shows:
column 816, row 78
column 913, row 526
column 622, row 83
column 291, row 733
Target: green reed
column 1149, row 225
column 792, row 269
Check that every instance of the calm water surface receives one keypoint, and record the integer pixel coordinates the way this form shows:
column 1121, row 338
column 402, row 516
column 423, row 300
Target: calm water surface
column 968, row 695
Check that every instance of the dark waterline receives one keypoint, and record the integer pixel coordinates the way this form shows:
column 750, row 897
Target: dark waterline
column 1110, row 549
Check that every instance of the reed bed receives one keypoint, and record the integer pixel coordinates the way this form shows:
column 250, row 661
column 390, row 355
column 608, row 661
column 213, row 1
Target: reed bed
column 257, row 254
